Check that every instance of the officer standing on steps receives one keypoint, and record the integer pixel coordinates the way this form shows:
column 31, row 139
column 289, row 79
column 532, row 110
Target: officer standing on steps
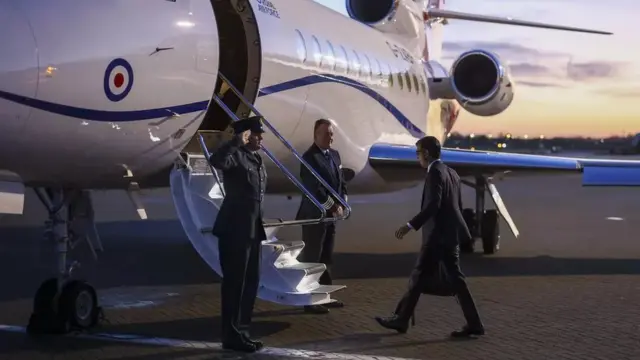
column 240, row 230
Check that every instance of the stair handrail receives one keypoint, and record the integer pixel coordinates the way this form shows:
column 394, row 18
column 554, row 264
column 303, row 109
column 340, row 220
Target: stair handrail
column 207, row 155
column 347, row 208
column 288, row 174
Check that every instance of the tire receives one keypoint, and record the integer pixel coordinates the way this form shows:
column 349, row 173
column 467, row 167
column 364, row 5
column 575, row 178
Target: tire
column 79, row 304
column 45, row 319
column 490, row 232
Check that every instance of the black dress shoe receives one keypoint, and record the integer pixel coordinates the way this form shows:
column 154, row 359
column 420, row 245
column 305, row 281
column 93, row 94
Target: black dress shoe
column 316, row 309
column 335, row 304
column 239, row 345
column 256, row 343
column 393, row 323
column 467, row 332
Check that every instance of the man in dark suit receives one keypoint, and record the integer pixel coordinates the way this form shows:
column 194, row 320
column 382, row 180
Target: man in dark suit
column 240, row 230
column 319, row 238
column 443, row 227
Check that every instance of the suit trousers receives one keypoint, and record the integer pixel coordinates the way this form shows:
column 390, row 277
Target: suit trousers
column 427, row 262
column 240, row 263
column 318, row 247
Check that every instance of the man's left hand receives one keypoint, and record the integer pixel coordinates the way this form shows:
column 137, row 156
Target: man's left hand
column 402, row 231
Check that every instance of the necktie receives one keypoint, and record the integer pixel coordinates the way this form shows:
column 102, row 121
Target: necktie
column 328, row 157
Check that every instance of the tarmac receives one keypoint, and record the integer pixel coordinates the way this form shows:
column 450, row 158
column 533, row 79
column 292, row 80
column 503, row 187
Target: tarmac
column 567, row 288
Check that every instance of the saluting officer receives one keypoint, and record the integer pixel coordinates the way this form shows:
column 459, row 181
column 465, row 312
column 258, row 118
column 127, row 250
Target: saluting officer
column 240, row 230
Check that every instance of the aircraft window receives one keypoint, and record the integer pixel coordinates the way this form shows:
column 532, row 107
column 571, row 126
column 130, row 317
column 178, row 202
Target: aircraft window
column 390, row 73
column 415, row 83
column 400, row 81
column 344, row 59
column 408, row 80
column 330, row 57
column 301, row 47
column 376, row 71
column 356, row 64
column 422, row 85
column 366, row 67
column 317, row 51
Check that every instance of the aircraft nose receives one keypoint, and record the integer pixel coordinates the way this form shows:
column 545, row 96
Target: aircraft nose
column 18, row 68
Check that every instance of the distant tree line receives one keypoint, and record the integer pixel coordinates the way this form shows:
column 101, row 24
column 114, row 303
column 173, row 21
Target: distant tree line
column 507, row 142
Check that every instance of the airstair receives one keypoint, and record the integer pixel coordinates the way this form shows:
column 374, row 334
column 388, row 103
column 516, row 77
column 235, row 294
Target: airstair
column 198, row 192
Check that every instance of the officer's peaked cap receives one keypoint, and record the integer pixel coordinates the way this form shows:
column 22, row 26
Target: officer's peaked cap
column 252, row 123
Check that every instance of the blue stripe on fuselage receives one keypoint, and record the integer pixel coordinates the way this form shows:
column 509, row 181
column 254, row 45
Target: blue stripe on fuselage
column 316, row 79
column 102, row 115
column 121, row 116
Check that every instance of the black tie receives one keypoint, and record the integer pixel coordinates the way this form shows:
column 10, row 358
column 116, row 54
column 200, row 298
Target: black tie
column 328, row 157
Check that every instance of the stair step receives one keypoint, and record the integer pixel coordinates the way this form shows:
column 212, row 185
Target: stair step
column 308, row 268
column 288, row 245
column 199, row 165
column 327, row 289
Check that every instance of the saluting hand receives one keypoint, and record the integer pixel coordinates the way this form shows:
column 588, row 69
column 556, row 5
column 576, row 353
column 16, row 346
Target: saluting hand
column 402, row 231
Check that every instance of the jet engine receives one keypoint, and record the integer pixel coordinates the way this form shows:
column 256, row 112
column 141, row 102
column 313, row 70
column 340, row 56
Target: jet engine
column 398, row 17
column 481, row 83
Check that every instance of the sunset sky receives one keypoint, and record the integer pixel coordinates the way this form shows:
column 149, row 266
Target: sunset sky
column 566, row 83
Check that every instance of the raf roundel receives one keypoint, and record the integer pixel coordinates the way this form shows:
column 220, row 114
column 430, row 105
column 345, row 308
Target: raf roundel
column 118, row 80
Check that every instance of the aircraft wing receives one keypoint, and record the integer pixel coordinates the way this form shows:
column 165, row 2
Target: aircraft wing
column 448, row 14
column 399, row 163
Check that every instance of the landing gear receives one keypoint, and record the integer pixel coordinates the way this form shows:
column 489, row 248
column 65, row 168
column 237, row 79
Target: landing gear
column 62, row 304
column 483, row 224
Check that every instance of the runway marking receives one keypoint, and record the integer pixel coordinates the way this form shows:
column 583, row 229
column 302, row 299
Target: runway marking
column 614, row 218
column 177, row 343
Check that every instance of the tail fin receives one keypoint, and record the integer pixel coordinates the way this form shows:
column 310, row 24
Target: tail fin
column 435, row 12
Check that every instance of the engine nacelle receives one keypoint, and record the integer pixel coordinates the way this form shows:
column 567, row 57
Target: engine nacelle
column 481, row 83
column 403, row 18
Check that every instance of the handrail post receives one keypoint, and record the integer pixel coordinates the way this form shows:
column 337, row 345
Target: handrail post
column 207, row 155
column 288, row 145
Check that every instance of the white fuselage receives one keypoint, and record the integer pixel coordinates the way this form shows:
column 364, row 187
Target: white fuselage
column 91, row 91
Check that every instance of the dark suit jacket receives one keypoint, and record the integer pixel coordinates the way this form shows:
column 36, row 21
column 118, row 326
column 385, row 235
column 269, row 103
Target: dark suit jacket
column 245, row 181
column 441, row 211
column 317, row 160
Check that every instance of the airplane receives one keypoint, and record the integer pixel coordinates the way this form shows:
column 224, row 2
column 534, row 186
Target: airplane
column 135, row 95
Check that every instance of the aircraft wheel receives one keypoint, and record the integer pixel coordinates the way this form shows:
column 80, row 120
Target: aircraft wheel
column 79, row 304
column 77, row 307
column 469, row 219
column 45, row 318
column 490, row 232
